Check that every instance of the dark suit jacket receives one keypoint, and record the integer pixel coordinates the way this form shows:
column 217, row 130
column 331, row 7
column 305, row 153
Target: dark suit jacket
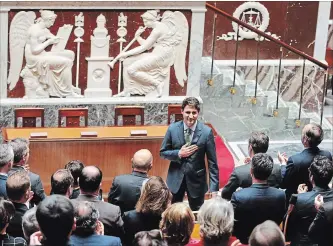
column 126, row 190
column 6, row 240
column 3, row 191
column 94, row 240
column 321, row 229
column 135, row 222
column 15, row 225
column 109, row 215
column 303, row 214
column 254, row 205
column 296, row 172
column 192, row 167
column 36, row 185
column 241, row 177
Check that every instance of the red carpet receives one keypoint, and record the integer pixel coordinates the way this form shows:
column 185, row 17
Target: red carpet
column 224, row 160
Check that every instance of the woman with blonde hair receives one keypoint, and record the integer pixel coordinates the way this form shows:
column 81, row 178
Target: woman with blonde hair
column 177, row 224
column 155, row 198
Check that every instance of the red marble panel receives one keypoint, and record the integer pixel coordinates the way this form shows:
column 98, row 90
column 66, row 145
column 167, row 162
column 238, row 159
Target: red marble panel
column 133, row 22
column 295, row 22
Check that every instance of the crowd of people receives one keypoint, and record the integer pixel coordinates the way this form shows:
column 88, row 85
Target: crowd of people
column 253, row 208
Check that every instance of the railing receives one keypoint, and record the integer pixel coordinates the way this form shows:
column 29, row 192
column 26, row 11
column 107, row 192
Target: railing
column 282, row 45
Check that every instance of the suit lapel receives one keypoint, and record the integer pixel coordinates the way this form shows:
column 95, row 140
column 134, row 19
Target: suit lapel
column 197, row 133
column 181, row 133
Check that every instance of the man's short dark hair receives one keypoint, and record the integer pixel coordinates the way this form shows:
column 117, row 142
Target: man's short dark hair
column 7, row 211
column 90, row 179
column 313, row 134
column 191, row 101
column 55, row 216
column 149, row 238
column 259, row 142
column 17, row 185
column 61, row 181
column 20, row 147
column 75, row 167
column 321, row 169
column 86, row 215
column 29, row 223
column 262, row 166
column 267, row 234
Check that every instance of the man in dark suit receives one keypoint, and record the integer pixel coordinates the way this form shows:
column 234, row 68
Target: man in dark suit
column 75, row 167
column 21, row 157
column 259, row 202
column 186, row 144
column 241, row 177
column 89, row 229
column 321, row 173
column 126, row 189
column 110, row 215
column 19, row 193
column 296, row 170
column 62, row 183
column 6, row 163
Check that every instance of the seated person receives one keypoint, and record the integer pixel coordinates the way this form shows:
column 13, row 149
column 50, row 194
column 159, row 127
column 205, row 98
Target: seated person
column 321, row 173
column 7, row 211
column 177, row 224
column 259, row 202
column 154, row 199
column 29, row 223
column 267, row 234
column 19, row 193
column 88, row 231
column 55, row 216
column 62, row 183
column 75, row 167
column 126, row 189
column 110, row 215
column 21, row 156
column 216, row 220
column 241, row 177
column 149, row 238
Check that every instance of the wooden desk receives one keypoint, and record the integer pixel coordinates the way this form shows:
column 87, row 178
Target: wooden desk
column 111, row 151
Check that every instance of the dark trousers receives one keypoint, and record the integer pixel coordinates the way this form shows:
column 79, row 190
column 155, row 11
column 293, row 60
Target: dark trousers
column 195, row 202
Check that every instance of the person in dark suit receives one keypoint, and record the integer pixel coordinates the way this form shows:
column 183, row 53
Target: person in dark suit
column 62, row 183
column 88, row 228
column 126, row 189
column 300, row 219
column 295, row 172
column 110, row 215
column 259, row 202
column 75, row 167
column 19, row 193
column 321, row 229
column 7, row 211
column 21, row 157
column 6, row 163
column 186, row 144
column 154, row 199
column 241, row 177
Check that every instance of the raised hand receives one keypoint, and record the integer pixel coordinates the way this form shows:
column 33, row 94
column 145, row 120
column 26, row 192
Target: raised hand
column 302, row 188
column 319, row 201
column 283, row 158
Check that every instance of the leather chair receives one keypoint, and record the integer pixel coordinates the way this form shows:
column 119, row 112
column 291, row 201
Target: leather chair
column 72, row 116
column 176, row 110
column 29, row 116
column 129, row 114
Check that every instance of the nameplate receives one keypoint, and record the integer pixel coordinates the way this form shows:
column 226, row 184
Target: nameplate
column 137, row 133
column 38, row 135
column 89, row 134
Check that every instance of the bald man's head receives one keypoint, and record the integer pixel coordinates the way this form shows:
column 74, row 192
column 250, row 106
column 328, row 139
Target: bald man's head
column 90, row 179
column 142, row 160
column 267, row 234
column 312, row 135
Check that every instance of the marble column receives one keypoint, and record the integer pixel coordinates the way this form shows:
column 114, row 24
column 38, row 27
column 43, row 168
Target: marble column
column 3, row 51
column 196, row 44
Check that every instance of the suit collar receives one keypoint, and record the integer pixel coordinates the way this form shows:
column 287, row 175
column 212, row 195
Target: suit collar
column 144, row 175
column 314, row 149
column 320, row 189
column 86, row 197
column 260, row 186
column 19, row 206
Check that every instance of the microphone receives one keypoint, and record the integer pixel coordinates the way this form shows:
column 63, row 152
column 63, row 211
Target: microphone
column 292, row 203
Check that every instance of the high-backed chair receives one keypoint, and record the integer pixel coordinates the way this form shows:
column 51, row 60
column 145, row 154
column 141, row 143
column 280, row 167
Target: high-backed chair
column 29, row 116
column 129, row 114
column 176, row 110
column 72, row 116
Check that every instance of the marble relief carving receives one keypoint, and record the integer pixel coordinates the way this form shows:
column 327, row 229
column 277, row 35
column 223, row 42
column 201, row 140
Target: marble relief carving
column 46, row 73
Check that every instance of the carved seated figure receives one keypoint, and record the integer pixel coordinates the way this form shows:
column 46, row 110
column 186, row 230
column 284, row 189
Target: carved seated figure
column 46, row 73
